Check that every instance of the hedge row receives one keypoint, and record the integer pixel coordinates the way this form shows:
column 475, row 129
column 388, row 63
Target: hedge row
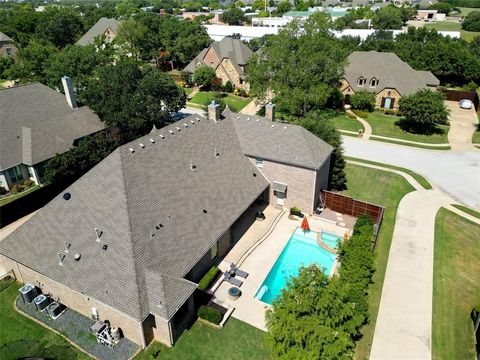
column 208, row 279
column 210, row 314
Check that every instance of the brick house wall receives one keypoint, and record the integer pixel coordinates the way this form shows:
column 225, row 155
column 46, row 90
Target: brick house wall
column 346, row 89
column 82, row 303
column 211, row 58
column 303, row 185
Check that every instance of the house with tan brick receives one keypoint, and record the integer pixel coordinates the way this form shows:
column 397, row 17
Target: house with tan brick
column 129, row 241
column 229, row 58
column 386, row 75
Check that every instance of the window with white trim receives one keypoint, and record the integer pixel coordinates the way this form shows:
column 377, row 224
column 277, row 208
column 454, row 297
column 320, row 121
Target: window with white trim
column 373, row 82
column 361, row 81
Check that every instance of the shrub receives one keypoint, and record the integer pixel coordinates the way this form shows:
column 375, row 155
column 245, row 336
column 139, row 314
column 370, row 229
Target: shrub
column 350, row 115
column 204, row 76
column 186, row 77
column 363, row 100
column 210, row 314
column 208, row 278
column 17, row 188
column 363, row 220
column 361, row 113
column 295, row 209
column 228, row 86
column 28, row 183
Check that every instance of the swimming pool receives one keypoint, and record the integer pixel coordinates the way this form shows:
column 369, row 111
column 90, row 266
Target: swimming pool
column 301, row 250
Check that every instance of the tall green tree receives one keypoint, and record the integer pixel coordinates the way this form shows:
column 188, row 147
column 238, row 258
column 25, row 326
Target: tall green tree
column 203, row 76
column 132, row 100
column 132, row 36
column 388, row 18
column 423, row 110
column 233, row 16
column 19, row 24
column 312, row 319
column 60, row 26
column 472, row 21
column 32, row 61
column 302, row 65
column 78, row 62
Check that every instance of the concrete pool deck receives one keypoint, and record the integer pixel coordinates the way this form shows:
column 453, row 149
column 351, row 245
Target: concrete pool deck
column 270, row 241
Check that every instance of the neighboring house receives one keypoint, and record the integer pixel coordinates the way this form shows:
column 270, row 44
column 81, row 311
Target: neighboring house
column 151, row 219
column 7, row 46
column 104, row 26
column 214, row 20
column 430, row 15
column 36, row 123
column 228, row 57
column 385, row 75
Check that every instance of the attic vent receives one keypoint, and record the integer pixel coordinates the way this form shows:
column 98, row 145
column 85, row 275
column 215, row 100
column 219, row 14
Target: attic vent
column 273, row 126
column 77, row 257
column 193, row 166
column 258, row 120
column 170, row 131
column 141, row 145
column 152, row 234
column 198, row 119
column 248, row 119
column 152, row 141
column 254, row 175
column 98, row 233
column 193, row 122
column 105, row 247
column 216, row 152
column 186, row 125
column 284, row 128
column 158, row 226
column 67, row 196
column 67, row 247
column 205, row 211
column 178, row 129
column 238, row 117
column 131, row 150
column 162, row 137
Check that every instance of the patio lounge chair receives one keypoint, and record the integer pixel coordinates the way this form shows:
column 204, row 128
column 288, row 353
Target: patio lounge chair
column 238, row 272
column 231, row 279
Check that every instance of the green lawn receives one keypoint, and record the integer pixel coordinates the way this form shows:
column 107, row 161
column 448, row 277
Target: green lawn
column 384, row 125
column 456, row 286
column 235, row 103
column 343, row 122
column 465, row 11
column 21, row 337
column 453, row 26
column 467, row 210
column 386, row 189
column 420, row 179
column 188, row 91
column 9, row 199
column 236, row 340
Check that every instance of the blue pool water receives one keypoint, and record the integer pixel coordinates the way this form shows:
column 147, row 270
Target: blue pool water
column 301, row 250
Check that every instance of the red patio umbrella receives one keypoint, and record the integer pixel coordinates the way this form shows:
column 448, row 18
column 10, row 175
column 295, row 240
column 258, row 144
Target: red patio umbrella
column 305, row 225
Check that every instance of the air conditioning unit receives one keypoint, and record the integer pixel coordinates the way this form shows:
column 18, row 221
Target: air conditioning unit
column 28, row 293
column 55, row 309
column 41, row 302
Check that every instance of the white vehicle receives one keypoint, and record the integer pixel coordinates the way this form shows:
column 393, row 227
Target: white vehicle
column 466, row 104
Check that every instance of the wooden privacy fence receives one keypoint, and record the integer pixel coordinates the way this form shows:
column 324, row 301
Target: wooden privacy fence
column 349, row 206
column 457, row 95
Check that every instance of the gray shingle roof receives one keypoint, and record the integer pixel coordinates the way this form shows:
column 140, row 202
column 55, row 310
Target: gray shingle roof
column 227, row 48
column 285, row 143
column 36, row 123
column 126, row 196
column 389, row 70
column 99, row 29
column 5, row 38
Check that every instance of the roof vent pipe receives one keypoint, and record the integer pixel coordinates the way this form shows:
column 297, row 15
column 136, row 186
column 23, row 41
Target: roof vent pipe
column 69, row 91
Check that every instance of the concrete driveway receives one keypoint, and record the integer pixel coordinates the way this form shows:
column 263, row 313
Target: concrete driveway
column 456, row 173
column 463, row 123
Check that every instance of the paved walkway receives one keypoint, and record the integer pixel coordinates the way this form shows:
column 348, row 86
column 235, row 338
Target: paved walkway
column 456, row 173
column 368, row 129
column 403, row 328
column 462, row 126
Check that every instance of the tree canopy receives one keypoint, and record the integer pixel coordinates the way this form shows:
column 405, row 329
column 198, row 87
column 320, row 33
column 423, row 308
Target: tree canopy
column 388, row 18
column 472, row 21
column 60, row 26
column 204, row 75
column 233, row 16
column 302, row 65
column 422, row 110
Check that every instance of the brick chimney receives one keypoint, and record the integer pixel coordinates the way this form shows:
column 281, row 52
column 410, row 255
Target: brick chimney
column 214, row 111
column 69, row 92
column 270, row 111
